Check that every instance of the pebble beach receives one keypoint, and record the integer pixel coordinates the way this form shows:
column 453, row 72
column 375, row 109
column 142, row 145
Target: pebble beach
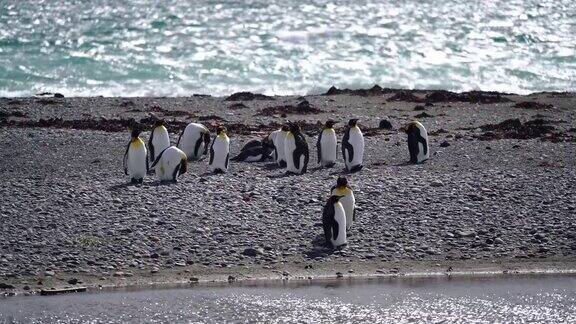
column 497, row 193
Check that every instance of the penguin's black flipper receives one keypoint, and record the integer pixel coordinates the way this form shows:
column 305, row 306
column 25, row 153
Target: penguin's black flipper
column 175, row 172
column 183, row 166
column 334, row 228
column 227, row 160
column 354, row 215
column 151, row 146
column 125, row 160
column 197, row 145
column 346, row 146
column 296, row 157
column 413, row 148
column 206, row 142
column 319, row 146
column 180, row 137
column 306, row 160
column 158, row 158
column 327, row 217
column 212, row 153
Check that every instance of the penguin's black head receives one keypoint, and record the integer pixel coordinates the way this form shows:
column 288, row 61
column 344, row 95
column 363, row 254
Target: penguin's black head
column 342, row 182
column 334, row 199
column 220, row 130
column 285, row 128
column 294, row 128
column 159, row 122
column 136, row 132
column 409, row 128
column 267, row 142
column 353, row 122
column 330, row 123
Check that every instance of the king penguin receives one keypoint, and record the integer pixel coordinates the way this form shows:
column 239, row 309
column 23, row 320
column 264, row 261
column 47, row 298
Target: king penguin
column 170, row 163
column 194, row 141
column 220, row 151
column 334, row 222
column 255, row 151
column 278, row 138
column 348, row 201
column 159, row 139
column 353, row 146
column 296, row 150
column 136, row 158
column 417, row 142
column 326, row 145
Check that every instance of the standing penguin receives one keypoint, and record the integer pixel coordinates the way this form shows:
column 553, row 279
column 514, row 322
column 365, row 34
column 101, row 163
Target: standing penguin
column 296, row 150
column 194, row 141
column 353, row 146
column 159, row 139
column 278, row 138
column 220, row 151
column 334, row 222
column 135, row 158
column 417, row 142
column 170, row 163
column 326, row 145
column 348, row 201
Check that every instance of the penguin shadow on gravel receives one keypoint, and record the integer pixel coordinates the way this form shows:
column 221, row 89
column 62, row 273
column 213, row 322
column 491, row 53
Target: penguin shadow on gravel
column 320, row 250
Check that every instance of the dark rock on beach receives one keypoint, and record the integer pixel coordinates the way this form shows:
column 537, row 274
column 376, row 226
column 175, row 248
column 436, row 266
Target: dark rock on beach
column 247, row 96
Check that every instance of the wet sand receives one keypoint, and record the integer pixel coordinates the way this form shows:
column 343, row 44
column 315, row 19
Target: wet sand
column 496, row 195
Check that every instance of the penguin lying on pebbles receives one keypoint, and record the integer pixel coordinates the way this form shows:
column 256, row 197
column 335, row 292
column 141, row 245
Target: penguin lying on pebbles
column 296, row 150
column 348, row 201
column 159, row 139
column 256, row 151
column 170, row 163
column 220, row 151
column 326, row 145
column 353, row 146
column 194, row 141
column 417, row 142
column 334, row 222
column 136, row 158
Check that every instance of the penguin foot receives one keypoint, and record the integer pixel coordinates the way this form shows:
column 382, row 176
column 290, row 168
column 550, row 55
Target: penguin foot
column 282, row 164
column 356, row 168
column 330, row 165
column 218, row 171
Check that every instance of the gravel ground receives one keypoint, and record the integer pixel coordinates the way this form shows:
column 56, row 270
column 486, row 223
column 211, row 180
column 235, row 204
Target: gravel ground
column 69, row 217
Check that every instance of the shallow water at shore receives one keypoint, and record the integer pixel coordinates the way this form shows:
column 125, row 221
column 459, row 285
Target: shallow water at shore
column 504, row 299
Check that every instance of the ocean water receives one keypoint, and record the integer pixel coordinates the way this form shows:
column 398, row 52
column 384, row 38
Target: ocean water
column 510, row 299
column 176, row 48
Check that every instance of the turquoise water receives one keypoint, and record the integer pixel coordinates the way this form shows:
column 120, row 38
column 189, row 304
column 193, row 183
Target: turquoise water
column 173, row 48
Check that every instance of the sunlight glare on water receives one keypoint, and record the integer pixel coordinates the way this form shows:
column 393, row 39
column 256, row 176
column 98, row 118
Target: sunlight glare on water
column 476, row 300
column 175, row 48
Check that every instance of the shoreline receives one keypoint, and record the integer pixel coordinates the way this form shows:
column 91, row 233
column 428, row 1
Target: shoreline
column 303, row 277
column 496, row 194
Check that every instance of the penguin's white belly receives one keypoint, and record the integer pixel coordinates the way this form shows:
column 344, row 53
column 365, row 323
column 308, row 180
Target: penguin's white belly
column 279, row 143
column 289, row 148
column 253, row 158
column 349, row 203
column 169, row 162
column 328, row 147
column 357, row 141
column 340, row 217
column 192, row 133
column 161, row 141
column 137, row 161
column 221, row 148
